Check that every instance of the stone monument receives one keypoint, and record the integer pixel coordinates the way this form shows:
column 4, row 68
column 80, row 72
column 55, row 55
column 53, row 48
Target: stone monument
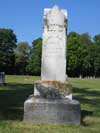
column 52, row 100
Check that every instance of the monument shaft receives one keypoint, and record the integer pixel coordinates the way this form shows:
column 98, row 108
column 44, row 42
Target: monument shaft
column 54, row 45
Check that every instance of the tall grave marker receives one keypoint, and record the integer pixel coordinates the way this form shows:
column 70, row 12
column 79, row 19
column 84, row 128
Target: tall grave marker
column 52, row 101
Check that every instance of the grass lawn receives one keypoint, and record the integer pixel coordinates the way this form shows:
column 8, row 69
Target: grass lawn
column 17, row 90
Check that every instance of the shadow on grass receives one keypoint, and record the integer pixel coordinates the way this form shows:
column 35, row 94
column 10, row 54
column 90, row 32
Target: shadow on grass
column 90, row 99
column 13, row 95
column 12, row 99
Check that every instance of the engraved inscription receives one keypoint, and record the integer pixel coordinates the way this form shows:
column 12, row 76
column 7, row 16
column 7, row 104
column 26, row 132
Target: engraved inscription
column 54, row 45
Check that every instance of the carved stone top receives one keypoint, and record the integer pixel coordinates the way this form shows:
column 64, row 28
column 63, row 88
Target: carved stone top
column 55, row 16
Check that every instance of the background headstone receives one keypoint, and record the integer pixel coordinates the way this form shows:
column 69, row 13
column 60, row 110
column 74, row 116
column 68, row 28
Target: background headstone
column 2, row 78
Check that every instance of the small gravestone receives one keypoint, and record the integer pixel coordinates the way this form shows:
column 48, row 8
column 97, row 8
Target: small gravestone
column 52, row 100
column 2, row 78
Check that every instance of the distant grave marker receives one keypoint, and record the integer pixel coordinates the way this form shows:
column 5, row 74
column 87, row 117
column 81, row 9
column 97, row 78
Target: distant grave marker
column 2, row 78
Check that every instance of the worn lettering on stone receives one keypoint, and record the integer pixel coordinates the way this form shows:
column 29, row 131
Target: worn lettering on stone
column 54, row 45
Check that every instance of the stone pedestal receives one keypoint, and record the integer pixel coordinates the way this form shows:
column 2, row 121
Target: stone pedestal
column 54, row 111
column 53, row 89
column 51, row 103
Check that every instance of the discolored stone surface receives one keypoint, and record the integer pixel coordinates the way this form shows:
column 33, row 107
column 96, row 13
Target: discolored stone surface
column 52, row 89
column 39, row 110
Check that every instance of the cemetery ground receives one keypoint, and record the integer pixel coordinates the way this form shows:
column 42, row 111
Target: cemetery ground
column 17, row 90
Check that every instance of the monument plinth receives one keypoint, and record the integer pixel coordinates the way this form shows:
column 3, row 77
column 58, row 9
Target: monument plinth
column 55, row 111
column 52, row 100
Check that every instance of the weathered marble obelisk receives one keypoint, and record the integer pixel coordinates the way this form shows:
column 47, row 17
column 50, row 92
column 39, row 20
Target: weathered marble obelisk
column 52, row 100
column 54, row 45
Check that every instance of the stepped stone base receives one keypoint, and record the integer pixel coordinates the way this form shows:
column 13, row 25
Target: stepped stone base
column 55, row 111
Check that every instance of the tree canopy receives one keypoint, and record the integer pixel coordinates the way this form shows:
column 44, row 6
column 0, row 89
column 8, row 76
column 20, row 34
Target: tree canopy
column 22, row 57
column 83, row 54
column 7, row 45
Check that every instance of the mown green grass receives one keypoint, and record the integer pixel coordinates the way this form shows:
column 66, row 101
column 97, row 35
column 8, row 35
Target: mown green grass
column 17, row 90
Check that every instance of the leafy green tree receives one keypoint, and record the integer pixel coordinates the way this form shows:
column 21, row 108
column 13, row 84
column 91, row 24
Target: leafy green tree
column 34, row 66
column 22, row 57
column 97, row 39
column 97, row 55
column 86, row 39
column 74, row 55
column 7, row 45
column 97, row 61
column 91, row 57
column 87, row 48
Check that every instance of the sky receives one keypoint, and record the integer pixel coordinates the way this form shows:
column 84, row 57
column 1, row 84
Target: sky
column 25, row 17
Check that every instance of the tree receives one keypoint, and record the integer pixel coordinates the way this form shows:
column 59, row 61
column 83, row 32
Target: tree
column 83, row 57
column 35, row 61
column 86, row 39
column 97, row 60
column 87, row 65
column 74, row 56
column 97, row 39
column 34, row 66
column 91, row 50
column 97, row 55
column 7, row 45
column 22, row 57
